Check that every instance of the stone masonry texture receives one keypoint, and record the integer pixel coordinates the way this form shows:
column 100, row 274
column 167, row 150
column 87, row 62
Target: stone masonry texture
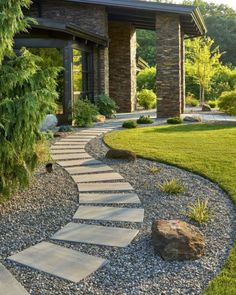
column 169, row 68
column 122, row 65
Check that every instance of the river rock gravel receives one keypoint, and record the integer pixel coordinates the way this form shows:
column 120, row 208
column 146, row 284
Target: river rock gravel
column 35, row 214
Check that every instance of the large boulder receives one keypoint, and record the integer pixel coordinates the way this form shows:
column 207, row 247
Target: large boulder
column 49, row 123
column 177, row 240
column 206, row 108
column 192, row 119
column 121, row 154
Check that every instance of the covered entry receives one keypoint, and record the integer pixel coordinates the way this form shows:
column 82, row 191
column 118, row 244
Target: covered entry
column 75, row 51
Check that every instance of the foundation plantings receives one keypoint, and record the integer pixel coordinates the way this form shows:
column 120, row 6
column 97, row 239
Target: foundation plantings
column 129, row 124
column 145, row 120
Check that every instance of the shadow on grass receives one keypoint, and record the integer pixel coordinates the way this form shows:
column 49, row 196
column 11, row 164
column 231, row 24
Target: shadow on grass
column 192, row 127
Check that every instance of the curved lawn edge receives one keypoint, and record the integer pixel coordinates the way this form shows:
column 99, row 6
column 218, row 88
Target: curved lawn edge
column 225, row 282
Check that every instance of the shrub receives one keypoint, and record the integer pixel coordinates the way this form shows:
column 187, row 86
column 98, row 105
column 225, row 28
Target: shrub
column 47, row 135
column 145, row 120
column 106, row 106
column 174, row 120
column 146, row 79
column 84, row 112
column 129, row 124
column 27, row 95
column 191, row 101
column 172, row 186
column 227, row 102
column 147, row 99
column 65, row 128
column 154, row 169
column 212, row 103
column 42, row 151
column 199, row 211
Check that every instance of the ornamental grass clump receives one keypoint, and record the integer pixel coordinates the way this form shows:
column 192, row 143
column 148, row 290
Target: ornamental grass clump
column 145, row 120
column 154, row 169
column 199, row 211
column 129, row 124
column 174, row 120
column 172, row 186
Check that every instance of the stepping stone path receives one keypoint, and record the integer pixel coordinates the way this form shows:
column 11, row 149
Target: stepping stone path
column 99, row 188
column 9, row 285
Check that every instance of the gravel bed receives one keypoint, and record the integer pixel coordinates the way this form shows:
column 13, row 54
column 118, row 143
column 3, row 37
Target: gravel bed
column 35, row 214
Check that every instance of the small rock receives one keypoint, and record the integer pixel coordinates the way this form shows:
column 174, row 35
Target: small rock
column 121, row 154
column 100, row 118
column 177, row 240
column 49, row 123
column 49, row 167
column 192, row 119
column 206, row 108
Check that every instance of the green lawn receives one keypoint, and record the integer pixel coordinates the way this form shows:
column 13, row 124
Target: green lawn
column 207, row 149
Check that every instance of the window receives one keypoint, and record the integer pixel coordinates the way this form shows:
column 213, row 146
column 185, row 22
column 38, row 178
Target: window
column 82, row 75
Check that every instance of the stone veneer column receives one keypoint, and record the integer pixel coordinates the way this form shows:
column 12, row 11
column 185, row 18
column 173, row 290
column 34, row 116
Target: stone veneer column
column 182, row 73
column 170, row 68
column 122, row 65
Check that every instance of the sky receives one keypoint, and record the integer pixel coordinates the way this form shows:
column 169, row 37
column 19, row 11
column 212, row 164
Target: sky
column 231, row 3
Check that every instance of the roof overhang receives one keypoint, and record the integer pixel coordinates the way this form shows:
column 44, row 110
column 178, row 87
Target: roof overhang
column 142, row 14
column 69, row 29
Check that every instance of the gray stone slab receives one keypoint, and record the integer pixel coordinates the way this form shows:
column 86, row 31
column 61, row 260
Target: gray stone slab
column 94, row 234
column 109, row 214
column 81, row 136
column 109, row 198
column 71, row 163
column 88, row 169
column 71, row 156
column 75, row 140
column 103, row 187
column 69, row 143
column 59, row 261
column 68, row 147
column 97, row 177
column 67, row 151
column 9, row 285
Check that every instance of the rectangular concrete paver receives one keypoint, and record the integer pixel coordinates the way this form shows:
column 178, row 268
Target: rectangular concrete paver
column 109, row 214
column 71, row 163
column 71, row 156
column 9, row 285
column 59, row 261
column 103, row 187
column 68, row 147
column 89, row 169
column 67, row 151
column 109, row 198
column 81, row 136
column 94, row 234
column 69, row 143
column 97, row 177
column 75, row 140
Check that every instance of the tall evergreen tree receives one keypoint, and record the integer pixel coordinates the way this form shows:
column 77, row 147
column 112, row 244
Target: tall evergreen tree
column 27, row 93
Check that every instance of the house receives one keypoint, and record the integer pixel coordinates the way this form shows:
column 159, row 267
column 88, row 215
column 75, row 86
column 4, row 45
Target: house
column 97, row 39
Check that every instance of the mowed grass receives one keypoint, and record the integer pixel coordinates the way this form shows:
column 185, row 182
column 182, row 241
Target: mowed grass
column 207, row 149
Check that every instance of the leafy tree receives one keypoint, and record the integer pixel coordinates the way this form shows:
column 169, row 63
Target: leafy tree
column 27, row 94
column 146, row 79
column 202, row 62
column 147, row 46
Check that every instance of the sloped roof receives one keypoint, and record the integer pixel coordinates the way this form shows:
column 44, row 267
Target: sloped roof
column 143, row 13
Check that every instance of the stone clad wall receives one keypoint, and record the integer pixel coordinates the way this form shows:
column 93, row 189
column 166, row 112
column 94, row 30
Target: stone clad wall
column 122, row 65
column 169, row 65
column 92, row 18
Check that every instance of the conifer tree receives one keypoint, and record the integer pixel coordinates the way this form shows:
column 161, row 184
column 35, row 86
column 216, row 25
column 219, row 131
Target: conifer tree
column 27, row 94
